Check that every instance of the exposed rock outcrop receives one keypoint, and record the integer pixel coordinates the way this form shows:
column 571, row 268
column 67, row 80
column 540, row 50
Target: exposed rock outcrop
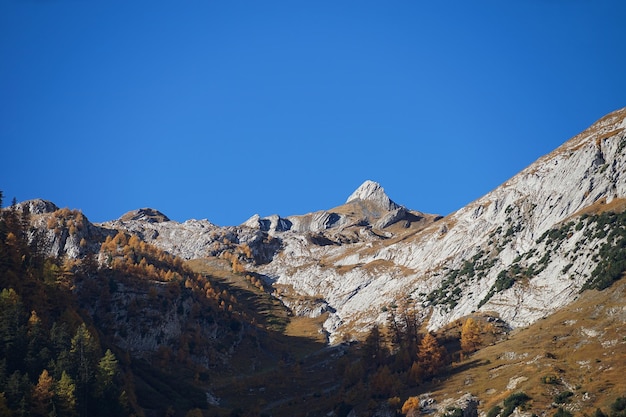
column 370, row 253
column 460, row 264
column 38, row 206
column 373, row 192
column 145, row 214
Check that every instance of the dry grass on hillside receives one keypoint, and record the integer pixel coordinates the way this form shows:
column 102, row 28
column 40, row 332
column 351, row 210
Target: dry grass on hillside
column 580, row 349
column 307, row 327
column 617, row 205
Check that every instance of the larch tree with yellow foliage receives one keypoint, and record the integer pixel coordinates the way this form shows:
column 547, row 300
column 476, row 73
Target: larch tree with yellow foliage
column 470, row 336
column 431, row 356
column 411, row 407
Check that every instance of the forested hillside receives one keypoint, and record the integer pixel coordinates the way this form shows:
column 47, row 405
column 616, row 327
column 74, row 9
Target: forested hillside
column 52, row 358
column 132, row 330
column 127, row 329
column 113, row 336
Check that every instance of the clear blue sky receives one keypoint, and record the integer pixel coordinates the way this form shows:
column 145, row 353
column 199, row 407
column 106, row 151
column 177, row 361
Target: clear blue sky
column 224, row 109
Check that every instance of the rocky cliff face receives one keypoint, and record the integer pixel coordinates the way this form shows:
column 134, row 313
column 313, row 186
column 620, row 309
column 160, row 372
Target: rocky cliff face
column 63, row 232
column 486, row 256
column 522, row 251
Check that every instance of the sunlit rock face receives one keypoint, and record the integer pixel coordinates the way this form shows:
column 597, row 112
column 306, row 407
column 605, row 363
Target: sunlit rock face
column 494, row 233
column 372, row 191
column 358, row 261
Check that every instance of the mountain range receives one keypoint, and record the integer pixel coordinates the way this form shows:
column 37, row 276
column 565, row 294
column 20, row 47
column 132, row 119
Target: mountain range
column 371, row 252
column 525, row 252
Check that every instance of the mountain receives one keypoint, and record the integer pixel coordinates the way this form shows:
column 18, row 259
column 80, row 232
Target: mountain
column 224, row 304
column 488, row 256
column 362, row 257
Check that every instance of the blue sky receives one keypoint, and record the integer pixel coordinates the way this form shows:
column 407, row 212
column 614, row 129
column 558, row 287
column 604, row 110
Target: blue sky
column 224, row 109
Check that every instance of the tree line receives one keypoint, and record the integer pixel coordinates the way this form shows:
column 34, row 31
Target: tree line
column 51, row 362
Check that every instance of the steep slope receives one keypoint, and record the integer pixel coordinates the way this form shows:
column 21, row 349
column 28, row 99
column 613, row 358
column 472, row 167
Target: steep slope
column 534, row 251
column 359, row 259
column 572, row 359
column 470, row 259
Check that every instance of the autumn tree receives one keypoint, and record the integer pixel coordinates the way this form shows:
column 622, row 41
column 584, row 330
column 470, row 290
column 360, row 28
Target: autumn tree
column 383, row 384
column 402, row 326
column 411, row 407
column 470, row 336
column 431, row 356
column 37, row 353
column 415, row 373
column 42, row 395
column 195, row 412
column 353, row 373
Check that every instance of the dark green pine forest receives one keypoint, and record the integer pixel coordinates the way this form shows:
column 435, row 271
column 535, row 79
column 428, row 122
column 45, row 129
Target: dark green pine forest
column 52, row 360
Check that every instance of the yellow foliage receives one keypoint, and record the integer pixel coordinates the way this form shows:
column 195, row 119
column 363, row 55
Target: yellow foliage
column 431, row 355
column 34, row 319
column 470, row 336
column 245, row 250
column 383, row 382
column 411, row 404
column 394, row 402
column 134, row 242
column 237, row 266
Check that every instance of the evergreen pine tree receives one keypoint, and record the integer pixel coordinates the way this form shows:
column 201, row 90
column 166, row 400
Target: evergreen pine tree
column 83, row 356
column 65, row 399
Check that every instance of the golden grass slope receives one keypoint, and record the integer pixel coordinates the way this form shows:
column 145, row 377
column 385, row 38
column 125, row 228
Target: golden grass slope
column 580, row 349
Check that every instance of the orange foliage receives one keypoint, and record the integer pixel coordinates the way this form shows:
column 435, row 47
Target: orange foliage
column 431, row 356
column 410, row 405
column 470, row 336
column 135, row 257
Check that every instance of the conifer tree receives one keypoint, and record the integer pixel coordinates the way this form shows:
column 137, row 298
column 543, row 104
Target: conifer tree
column 382, row 383
column 65, row 396
column 37, row 354
column 470, row 336
column 83, row 355
column 415, row 372
column 374, row 350
column 12, row 329
column 4, row 408
column 431, row 356
column 107, row 370
column 42, row 396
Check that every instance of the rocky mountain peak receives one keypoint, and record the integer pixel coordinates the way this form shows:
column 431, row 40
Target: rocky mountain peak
column 38, row 206
column 374, row 192
column 145, row 214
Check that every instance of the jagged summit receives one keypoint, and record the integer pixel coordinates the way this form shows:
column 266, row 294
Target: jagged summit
column 374, row 192
column 146, row 214
column 366, row 254
column 38, row 206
